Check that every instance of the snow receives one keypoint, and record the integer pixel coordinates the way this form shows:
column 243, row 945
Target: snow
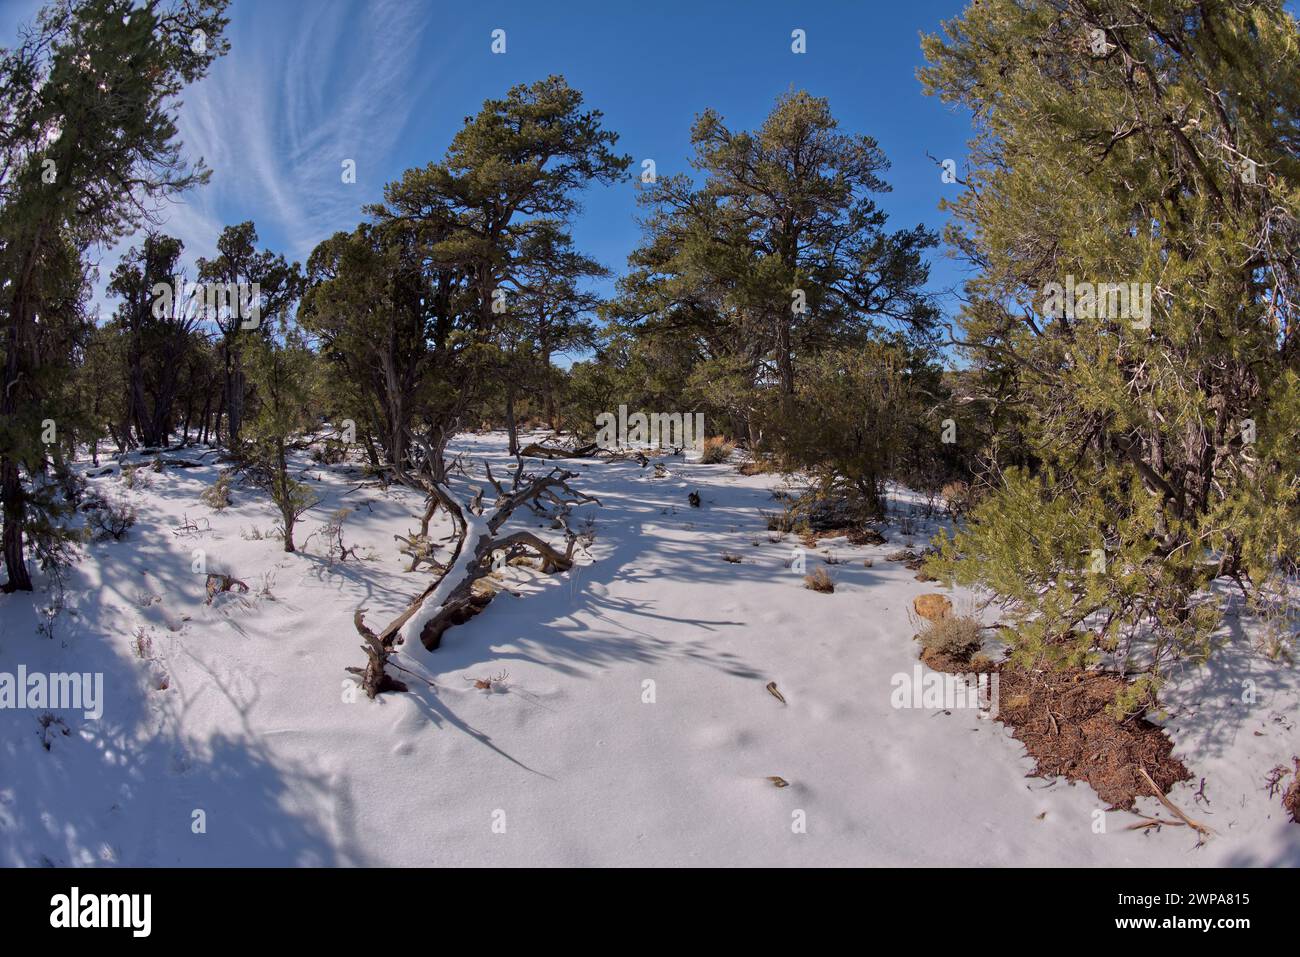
column 476, row 529
column 242, row 719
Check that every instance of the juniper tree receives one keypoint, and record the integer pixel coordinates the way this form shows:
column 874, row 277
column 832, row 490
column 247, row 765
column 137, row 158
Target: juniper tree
column 780, row 250
column 237, row 270
column 282, row 377
column 1123, row 143
column 389, row 323
column 87, row 141
column 867, row 413
column 157, row 333
column 495, row 205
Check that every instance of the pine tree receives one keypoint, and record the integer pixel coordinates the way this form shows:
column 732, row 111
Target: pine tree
column 1151, row 145
column 87, row 139
column 282, row 376
column 781, row 250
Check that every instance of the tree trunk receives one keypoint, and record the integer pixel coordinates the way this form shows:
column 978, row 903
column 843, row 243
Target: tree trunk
column 11, row 485
column 15, row 513
column 286, row 497
column 548, row 390
column 511, row 426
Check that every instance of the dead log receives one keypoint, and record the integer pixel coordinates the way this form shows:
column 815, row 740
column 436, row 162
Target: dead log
column 375, row 679
column 537, row 450
column 451, row 599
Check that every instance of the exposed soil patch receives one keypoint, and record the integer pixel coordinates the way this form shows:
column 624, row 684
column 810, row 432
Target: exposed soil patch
column 952, row 663
column 948, row 663
column 1063, row 721
column 856, row 534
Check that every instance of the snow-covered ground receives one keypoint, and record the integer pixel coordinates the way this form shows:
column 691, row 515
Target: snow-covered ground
column 243, row 727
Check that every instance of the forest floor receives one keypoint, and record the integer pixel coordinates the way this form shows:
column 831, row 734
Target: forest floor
column 629, row 723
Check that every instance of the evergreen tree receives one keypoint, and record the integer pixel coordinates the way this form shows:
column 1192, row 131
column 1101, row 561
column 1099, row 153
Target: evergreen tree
column 1131, row 144
column 498, row 204
column 157, row 329
column 778, row 253
column 282, row 377
column 237, row 269
column 87, row 140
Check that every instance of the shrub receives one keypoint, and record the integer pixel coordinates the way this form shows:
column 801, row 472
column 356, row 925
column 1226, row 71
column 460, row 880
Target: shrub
column 331, row 452
column 112, row 519
column 953, row 636
column 133, row 479
column 956, row 495
column 70, row 483
column 820, row 580
column 716, row 450
column 217, row 495
column 783, row 521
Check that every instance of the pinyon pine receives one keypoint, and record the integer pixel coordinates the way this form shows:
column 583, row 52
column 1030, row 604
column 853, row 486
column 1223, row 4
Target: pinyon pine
column 1130, row 143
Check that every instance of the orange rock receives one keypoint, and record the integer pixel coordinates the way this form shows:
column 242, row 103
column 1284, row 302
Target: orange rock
column 932, row 607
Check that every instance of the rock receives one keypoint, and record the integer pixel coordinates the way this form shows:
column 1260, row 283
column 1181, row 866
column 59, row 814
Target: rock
column 932, row 606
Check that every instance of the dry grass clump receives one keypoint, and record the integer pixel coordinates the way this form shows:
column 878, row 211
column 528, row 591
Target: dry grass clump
column 953, row 636
column 716, row 450
column 217, row 495
column 821, row 581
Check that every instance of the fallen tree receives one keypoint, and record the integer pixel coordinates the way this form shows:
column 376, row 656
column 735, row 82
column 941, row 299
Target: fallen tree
column 540, row 450
column 451, row 598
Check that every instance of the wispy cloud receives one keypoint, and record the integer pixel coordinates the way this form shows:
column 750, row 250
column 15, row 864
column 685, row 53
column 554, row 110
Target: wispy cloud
column 305, row 87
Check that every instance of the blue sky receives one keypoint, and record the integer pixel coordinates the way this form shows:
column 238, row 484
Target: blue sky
column 310, row 83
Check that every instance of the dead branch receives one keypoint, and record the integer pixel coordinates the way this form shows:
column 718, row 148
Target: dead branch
column 218, row 583
column 1200, row 829
column 536, row 450
column 374, row 679
column 476, row 527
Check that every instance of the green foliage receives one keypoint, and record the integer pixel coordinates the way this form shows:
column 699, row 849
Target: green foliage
column 858, row 414
column 281, row 375
column 279, row 285
column 453, row 299
column 87, row 143
column 1111, row 146
column 780, row 254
